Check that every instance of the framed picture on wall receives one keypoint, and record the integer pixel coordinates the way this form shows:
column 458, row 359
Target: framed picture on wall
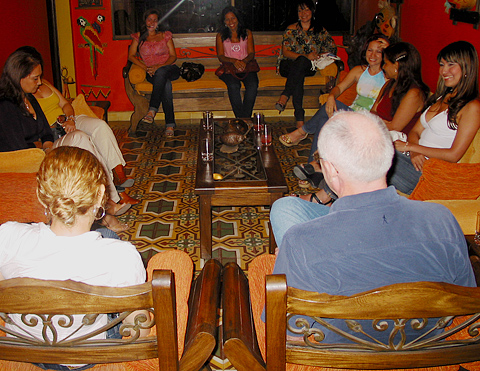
column 85, row 4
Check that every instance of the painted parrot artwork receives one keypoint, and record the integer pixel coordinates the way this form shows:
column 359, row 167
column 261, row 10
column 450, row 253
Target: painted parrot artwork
column 90, row 35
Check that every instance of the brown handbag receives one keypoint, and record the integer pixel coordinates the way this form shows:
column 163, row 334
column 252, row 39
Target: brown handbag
column 228, row 67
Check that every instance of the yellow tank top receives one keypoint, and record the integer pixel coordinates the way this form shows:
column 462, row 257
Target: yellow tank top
column 50, row 107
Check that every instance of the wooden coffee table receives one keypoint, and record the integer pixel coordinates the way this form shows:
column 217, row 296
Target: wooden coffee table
column 253, row 177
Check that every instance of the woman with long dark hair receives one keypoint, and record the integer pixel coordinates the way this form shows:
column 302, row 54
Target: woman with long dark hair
column 157, row 52
column 447, row 127
column 23, row 123
column 399, row 104
column 303, row 42
column 235, row 45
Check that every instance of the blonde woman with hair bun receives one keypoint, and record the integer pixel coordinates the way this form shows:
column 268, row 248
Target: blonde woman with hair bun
column 73, row 196
column 71, row 185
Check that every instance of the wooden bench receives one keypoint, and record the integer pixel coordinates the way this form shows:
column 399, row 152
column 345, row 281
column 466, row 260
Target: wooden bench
column 209, row 93
column 403, row 303
column 54, row 302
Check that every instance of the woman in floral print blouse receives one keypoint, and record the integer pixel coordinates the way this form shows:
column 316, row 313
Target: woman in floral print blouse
column 303, row 42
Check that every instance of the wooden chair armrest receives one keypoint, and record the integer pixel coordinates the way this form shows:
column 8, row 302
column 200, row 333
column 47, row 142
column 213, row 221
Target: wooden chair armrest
column 239, row 337
column 203, row 303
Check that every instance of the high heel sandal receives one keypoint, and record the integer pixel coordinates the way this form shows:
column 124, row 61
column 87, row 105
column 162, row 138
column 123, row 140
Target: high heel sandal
column 288, row 142
column 281, row 106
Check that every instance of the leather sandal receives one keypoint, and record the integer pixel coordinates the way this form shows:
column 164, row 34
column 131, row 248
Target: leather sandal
column 116, row 227
column 314, row 196
column 117, row 209
column 169, row 131
column 281, row 106
column 148, row 118
column 288, row 142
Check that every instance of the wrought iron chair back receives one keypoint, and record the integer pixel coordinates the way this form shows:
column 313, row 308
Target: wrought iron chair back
column 408, row 307
column 62, row 301
column 403, row 305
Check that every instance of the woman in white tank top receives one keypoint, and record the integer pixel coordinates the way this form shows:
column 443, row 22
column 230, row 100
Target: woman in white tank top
column 447, row 127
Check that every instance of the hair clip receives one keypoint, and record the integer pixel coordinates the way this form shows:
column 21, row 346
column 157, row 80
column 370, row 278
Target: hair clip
column 400, row 57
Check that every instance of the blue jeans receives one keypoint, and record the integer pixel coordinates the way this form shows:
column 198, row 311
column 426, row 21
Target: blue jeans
column 241, row 109
column 162, row 91
column 315, row 124
column 403, row 175
column 295, row 72
column 289, row 211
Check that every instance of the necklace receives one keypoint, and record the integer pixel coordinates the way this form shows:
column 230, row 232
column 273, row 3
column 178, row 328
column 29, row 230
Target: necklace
column 26, row 103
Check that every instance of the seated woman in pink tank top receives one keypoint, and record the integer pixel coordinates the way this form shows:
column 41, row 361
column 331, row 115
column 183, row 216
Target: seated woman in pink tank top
column 235, row 45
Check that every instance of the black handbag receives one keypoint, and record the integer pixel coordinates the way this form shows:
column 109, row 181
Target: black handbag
column 191, row 71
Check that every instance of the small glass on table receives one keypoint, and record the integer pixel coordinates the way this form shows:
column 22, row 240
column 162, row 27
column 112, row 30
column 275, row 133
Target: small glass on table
column 208, row 120
column 258, row 121
column 207, row 149
column 266, row 135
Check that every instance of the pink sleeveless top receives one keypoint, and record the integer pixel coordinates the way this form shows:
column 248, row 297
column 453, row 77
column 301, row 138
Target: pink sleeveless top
column 154, row 52
column 235, row 50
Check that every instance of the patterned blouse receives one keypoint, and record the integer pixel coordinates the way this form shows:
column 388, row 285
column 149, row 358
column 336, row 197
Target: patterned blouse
column 304, row 42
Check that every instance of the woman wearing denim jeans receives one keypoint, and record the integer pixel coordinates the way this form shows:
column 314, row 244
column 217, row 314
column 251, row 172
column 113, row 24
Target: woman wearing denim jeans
column 158, row 56
column 235, row 45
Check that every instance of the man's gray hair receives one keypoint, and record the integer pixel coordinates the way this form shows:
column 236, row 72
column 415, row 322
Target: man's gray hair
column 357, row 143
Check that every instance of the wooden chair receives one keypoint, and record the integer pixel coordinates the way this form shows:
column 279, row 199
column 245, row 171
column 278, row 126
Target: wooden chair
column 408, row 301
column 50, row 300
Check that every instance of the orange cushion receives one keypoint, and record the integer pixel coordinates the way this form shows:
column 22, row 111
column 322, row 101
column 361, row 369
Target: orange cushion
column 81, row 107
column 18, row 192
column 442, row 180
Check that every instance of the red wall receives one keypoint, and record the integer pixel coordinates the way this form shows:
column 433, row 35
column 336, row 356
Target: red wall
column 426, row 25
column 25, row 25
column 423, row 23
column 109, row 79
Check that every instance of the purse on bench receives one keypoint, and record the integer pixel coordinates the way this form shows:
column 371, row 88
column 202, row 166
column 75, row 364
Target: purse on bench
column 228, row 67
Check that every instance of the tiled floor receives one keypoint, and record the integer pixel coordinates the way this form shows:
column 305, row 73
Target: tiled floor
column 167, row 216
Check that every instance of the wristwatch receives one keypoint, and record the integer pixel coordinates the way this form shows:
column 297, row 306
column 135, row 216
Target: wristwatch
column 62, row 119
